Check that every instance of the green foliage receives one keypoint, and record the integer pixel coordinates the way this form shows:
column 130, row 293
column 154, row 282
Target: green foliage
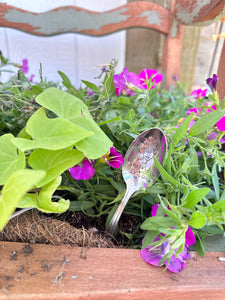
column 18, row 183
column 56, row 137
column 48, row 130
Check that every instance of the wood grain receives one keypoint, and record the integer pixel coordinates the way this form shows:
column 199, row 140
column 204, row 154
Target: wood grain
column 221, row 74
column 172, row 50
column 60, row 272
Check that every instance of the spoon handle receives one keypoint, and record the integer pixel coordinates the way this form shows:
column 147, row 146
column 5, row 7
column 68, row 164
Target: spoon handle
column 115, row 219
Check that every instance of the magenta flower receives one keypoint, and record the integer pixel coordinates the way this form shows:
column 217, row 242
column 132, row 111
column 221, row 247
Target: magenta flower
column 211, row 107
column 221, row 124
column 84, row 172
column 153, row 255
column 113, row 158
column 146, row 74
column 195, row 110
column 24, row 67
column 212, row 82
column 199, row 93
column 125, row 81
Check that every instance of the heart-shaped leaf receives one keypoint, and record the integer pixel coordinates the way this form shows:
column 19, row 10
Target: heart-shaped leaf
column 11, row 159
column 69, row 107
column 52, row 134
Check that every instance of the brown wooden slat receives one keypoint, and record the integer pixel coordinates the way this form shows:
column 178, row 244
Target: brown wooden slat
column 172, row 50
column 79, row 20
column 61, row 272
column 148, row 56
column 221, row 74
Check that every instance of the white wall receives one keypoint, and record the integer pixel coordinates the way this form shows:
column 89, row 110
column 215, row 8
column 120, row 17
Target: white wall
column 73, row 54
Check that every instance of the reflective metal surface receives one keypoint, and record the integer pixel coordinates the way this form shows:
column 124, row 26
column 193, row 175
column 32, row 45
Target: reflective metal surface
column 139, row 170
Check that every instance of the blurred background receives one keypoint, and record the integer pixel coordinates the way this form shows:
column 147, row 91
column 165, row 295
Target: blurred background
column 77, row 55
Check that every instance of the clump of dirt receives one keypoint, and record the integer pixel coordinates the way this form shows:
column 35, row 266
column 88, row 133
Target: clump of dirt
column 34, row 227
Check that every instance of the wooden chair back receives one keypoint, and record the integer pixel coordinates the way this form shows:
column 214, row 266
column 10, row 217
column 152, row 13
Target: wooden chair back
column 167, row 20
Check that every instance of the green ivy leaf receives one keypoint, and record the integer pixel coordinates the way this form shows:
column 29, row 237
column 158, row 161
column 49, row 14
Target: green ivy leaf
column 14, row 189
column 51, row 134
column 197, row 220
column 11, row 159
column 54, row 162
column 195, row 196
column 69, row 107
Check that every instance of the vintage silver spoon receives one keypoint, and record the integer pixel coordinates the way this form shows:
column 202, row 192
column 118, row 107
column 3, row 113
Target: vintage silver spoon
column 139, row 170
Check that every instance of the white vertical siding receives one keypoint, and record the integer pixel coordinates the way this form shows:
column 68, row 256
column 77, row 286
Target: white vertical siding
column 74, row 54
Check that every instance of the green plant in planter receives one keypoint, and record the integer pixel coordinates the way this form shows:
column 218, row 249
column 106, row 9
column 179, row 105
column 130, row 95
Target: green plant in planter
column 43, row 150
column 187, row 201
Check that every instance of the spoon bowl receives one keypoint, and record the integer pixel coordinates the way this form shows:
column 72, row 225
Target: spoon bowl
column 139, row 170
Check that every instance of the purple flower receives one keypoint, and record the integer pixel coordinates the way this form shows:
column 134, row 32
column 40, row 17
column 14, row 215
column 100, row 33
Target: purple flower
column 146, row 74
column 90, row 92
column 31, row 77
column 113, row 158
column 153, row 255
column 125, row 81
column 212, row 82
column 84, row 172
column 199, row 93
column 24, row 67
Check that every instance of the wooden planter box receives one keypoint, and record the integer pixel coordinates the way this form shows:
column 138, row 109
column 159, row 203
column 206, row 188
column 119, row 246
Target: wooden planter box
column 32, row 271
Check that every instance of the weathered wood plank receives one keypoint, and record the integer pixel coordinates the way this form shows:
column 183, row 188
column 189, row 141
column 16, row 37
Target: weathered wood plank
column 143, row 47
column 172, row 50
column 191, row 12
column 79, row 20
column 60, row 272
column 221, row 74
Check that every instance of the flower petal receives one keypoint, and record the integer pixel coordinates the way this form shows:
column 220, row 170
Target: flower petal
column 221, row 124
column 84, row 172
column 212, row 82
column 189, row 237
column 177, row 264
column 154, row 209
column 114, row 158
